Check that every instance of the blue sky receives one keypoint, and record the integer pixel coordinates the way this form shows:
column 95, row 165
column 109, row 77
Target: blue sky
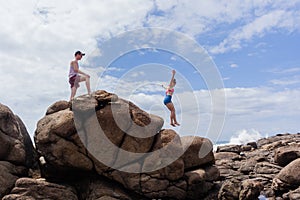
column 254, row 45
column 263, row 60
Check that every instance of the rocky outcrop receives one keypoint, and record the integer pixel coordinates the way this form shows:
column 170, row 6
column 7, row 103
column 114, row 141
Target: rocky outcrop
column 284, row 155
column 16, row 146
column 250, row 189
column 248, row 172
column 9, row 173
column 292, row 195
column 16, row 153
column 112, row 138
column 58, row 106
column 28, row 188
column 288, row 178
column 197, row 144
column 104, row 147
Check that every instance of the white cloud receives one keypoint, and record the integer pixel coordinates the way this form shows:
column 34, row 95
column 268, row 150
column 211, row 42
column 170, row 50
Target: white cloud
column 269, row 22
column 137, row 74
column 234, row 65
column 38, row 39
column 286, row 71
column 174, row 58
column 125, row 86
column 264, row 109
column 287, row 77
column 286, row 81
column 248, row 110
column 195, row 17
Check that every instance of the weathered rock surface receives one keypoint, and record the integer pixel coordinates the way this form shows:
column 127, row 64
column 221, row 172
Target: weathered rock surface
column 16, row 153
column 27, row 188
column 58, row 106
column 250, row 189
column 288, row 177
column 247, row 190
column 104, row 147
column 230, row 148
column 16, row 146
column 200, row 145
column 9, row 173
column 292, row 195
column 230, row 190
column 286, row 154
column 111, row 137
column 100, row 189
column 246, row 172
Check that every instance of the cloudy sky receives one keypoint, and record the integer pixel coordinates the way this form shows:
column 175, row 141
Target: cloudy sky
column 254, row 45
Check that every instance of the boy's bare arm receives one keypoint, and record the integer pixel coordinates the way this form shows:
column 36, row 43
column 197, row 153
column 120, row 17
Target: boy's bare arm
column 76, row 69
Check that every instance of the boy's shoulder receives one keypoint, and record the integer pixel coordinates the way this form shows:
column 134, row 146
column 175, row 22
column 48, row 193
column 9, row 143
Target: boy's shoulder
column 73, row 62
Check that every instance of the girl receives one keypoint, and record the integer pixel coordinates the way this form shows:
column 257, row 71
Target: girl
column 168, row 98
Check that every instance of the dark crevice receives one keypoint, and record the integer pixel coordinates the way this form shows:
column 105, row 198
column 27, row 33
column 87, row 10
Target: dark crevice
column 155, row 139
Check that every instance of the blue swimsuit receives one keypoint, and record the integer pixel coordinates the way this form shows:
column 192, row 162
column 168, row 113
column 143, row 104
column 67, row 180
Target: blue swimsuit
column 168, row 97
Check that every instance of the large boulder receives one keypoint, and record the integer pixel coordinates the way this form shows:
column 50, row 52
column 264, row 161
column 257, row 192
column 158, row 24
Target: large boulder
column 105, row 135
column 9, row 173
column 285, row 155
column 58, row 106
column 17, row 153
column 16, row 146
column 204, row 154
column 64, row 137
column 288, row 177
column 200, row 181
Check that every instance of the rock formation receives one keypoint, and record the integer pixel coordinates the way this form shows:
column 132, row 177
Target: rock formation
column 270, row 167
column 16, row 152
column 103, row 147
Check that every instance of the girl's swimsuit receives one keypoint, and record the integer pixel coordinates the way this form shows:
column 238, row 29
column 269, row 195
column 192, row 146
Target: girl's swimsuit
column 168, row 97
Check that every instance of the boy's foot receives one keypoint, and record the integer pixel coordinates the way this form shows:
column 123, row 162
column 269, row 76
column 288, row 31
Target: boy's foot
column 177, row 123
column 173, row 125
column 87, row 95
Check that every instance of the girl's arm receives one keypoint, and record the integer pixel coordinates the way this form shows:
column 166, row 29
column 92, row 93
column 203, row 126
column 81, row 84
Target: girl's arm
column 173, row 75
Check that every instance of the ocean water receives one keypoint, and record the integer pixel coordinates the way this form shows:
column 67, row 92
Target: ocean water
column 240, row 137
column 220, row 143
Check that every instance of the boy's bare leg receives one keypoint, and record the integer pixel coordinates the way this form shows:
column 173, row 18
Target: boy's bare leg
column 73, row 93
column 87, row 83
